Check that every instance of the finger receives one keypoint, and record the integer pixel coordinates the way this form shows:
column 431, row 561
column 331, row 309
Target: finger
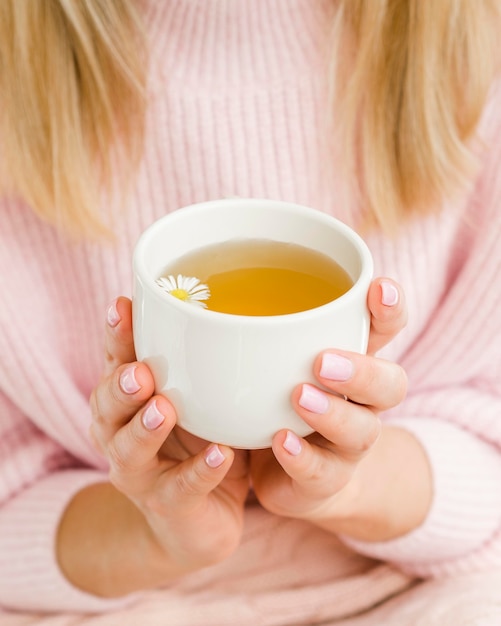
column 117, row 399
column 188, row 482
column 388, row 309
column 317, row 472
column 118, row 339
column 364, row 379
column 351, row 428
column 133, row 451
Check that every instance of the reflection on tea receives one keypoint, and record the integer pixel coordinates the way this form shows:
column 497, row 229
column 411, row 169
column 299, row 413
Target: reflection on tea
column 263, row 277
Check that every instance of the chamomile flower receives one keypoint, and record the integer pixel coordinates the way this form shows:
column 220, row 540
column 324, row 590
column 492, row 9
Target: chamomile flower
column 186, row 288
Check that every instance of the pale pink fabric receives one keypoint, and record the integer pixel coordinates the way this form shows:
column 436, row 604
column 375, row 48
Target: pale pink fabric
column 467, row 600
column 237, row 93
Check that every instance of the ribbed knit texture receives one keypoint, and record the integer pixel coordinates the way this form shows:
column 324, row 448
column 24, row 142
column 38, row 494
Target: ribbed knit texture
column 238, row 109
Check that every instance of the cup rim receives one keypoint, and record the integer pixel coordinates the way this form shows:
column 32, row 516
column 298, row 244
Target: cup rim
column 148, row 281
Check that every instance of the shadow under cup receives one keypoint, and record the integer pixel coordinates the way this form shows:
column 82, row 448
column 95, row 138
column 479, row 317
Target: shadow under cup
column 230, row 377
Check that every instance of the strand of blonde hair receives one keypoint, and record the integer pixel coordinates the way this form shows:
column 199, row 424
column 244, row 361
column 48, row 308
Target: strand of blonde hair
column 72, row 84
column 412, row 92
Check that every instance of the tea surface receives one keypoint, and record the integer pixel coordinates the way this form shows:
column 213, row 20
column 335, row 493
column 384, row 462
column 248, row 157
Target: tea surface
column 263, row 277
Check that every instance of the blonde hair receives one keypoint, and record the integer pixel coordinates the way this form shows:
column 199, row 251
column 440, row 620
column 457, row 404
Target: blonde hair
column 72, row 90
column 412, row 93
column 72, row 99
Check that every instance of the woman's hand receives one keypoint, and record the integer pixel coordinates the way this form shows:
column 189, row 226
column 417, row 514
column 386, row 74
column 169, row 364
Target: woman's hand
column 190, row 493
column 332, row 476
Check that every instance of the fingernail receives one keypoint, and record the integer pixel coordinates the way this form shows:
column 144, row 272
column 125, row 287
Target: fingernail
column 113, row 317
column 152, row 418
column 389, row 293
column 214, row 457
column 336, row 367
column 313, row 400
column 128, row 382
column 292, row 444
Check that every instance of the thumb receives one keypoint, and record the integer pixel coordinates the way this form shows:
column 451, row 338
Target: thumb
column 195, row 478
column 388, row 310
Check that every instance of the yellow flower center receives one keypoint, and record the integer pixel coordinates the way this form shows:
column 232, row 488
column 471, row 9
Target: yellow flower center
column 182, row 294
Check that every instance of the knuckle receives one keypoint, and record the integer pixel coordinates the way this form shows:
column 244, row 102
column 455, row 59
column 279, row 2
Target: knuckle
column 136, row 436
column 372, row 373
column 98, row 413
column 390, row 377
column 319, row 488
column 191, row 479
column 186, row 483
column 343, row 424
column 118, row 459
column 109, row 397
column 99, row 422
column 123, row 447
column 109, row 358
column 317, row 475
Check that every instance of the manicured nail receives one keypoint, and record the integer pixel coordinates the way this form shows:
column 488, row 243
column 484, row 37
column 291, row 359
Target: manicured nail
column 292, row 444
column 152, row 418
column 128, row 381
column 336, row 367
column 113, row 317
column 389, row 293
column 214, row 457
column 312, row 399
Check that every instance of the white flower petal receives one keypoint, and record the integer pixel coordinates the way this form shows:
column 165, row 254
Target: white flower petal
column 166, row 283
column 200, row 289
column 189, row 283
column 202, row 295
column 196, row 290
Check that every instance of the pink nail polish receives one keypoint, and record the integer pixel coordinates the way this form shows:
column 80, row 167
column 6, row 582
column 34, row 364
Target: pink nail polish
column 292, row 444
column 389, row 293
column 128, row 382
column 113, row 317
column 152, row 418
column 336, row 367
column 314, row 400
column 214, row 457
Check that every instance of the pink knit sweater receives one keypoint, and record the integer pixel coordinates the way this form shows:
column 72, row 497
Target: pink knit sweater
column 237, row 106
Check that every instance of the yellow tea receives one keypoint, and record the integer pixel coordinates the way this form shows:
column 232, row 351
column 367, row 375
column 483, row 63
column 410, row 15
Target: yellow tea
column 263, row 277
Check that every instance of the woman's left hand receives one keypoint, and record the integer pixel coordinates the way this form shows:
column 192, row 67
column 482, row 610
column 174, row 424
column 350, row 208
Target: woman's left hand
column 312, row 478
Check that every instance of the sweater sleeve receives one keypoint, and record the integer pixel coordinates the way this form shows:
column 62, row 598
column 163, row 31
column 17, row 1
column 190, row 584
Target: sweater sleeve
column 454, row 402
column 462, row 532
column 37, row 481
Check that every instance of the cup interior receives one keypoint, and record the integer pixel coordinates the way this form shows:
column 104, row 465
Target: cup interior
column 215, row 222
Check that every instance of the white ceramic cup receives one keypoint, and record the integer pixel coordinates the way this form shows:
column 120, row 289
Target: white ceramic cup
column 230, row 377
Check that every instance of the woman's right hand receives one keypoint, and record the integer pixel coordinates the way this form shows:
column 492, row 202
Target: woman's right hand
column 190, row 493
